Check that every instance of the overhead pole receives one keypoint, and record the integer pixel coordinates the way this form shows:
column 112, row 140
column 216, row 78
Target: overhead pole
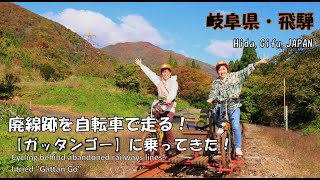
column 285, row 113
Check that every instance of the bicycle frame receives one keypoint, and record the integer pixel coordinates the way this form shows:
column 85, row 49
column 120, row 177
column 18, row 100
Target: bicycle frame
column 159, row 134
column 220, row 114
column 223, row 164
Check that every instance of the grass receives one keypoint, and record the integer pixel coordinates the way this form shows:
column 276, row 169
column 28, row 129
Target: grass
column 313, row 128
column 304, row 149
column 89, row 95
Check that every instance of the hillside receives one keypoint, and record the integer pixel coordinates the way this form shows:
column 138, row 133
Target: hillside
column 152, row 55
column 34, row 49
column 30, row 41
column 88, row 96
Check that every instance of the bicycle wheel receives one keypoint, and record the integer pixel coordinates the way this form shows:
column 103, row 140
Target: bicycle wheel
column 233, row 147
column 211, row 135
column 225, row 150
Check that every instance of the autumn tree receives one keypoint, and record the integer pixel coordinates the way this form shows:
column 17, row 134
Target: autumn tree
column 146, row 85
column 194, row 86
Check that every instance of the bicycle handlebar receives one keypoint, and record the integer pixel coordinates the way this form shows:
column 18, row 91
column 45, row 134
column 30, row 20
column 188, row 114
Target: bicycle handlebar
column 226, row 100
column 162, row 102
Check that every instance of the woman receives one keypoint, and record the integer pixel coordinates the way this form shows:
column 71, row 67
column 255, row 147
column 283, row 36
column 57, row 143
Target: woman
column 228, row 86
column 167, row 86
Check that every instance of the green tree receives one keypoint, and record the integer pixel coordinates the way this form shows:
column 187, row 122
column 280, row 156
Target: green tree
column 46, row 71
column 249, row 105
column 175, row 63
column 126, row 77
column 301, row 69
column 172, row 61
column 193, row 64
column 187, row 63
column 10, row 79
column 233, row 65
column 198, row 66
column 249, row 55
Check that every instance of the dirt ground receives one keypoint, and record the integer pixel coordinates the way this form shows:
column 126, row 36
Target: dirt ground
column 263, row 159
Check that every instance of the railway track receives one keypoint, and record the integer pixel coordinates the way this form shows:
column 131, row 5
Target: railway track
column 156, row 170
column 174, row 170
column 190, row 165
column 177, row 167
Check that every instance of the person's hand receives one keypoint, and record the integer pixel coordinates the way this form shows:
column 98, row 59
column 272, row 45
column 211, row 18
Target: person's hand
column 138, row 62
column 210, row 100
column 263, row 60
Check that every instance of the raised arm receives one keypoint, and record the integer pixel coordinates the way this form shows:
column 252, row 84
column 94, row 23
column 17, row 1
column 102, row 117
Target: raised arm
column 263, row 61
column 244, row 73
column 151, row 75
column 173, row 91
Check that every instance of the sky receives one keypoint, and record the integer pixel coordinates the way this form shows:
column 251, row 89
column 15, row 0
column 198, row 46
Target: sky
column 177, row 26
